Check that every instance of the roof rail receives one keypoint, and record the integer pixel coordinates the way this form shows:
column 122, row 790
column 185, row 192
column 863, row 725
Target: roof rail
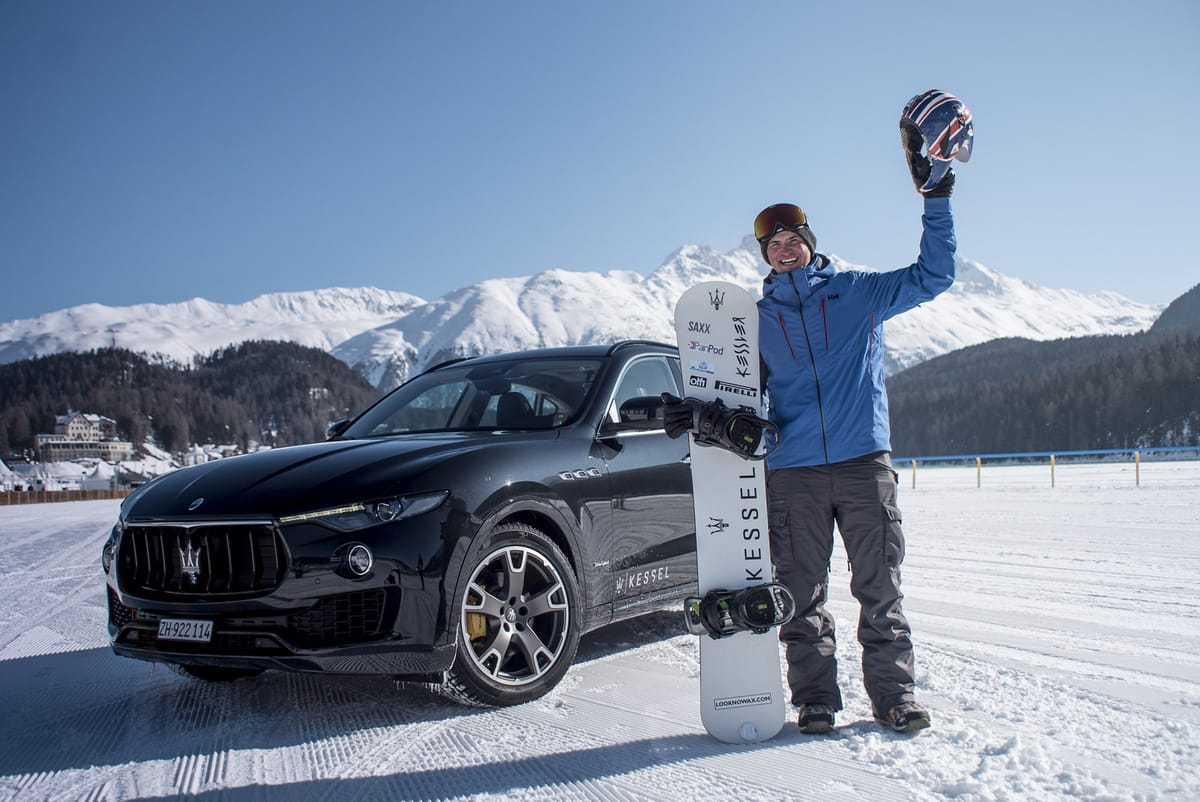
column 629, row 343
column 447, row 363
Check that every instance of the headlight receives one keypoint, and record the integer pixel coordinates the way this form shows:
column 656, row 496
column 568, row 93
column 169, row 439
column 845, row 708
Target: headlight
column 360, row 515
column 109, row 551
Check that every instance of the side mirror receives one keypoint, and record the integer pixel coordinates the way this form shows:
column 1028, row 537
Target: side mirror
column 335, row 428
column 643, row 409
column 643, row 413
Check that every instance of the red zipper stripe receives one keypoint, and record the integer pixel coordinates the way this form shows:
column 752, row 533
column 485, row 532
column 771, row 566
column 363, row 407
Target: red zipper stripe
column 786, row 338
column 825, row 322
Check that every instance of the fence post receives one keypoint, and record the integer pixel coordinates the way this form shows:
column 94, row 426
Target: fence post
column 979, row 471
column 1051, row 471
column 1137, row 469
column 914, row 481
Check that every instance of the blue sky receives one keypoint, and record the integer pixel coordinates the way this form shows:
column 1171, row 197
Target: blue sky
column 154, row 152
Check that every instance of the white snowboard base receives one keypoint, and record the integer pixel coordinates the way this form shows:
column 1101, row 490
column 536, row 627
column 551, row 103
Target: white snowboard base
column 742, row 694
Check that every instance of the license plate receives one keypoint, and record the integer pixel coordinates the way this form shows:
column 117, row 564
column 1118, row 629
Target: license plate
column 185, row 629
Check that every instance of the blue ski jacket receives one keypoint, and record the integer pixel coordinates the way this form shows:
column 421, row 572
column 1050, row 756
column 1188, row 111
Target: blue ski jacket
column 821, row 345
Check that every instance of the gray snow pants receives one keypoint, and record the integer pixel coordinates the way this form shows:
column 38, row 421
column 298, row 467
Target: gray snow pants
column 859, row 495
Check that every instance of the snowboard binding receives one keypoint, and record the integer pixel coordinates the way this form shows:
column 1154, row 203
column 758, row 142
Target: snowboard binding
column 723, row 612
column 735, row 429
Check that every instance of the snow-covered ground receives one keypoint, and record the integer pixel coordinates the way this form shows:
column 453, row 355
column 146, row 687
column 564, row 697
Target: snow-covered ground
column 1058, row 647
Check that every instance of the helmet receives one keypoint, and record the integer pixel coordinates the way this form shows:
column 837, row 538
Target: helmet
column 939, row 124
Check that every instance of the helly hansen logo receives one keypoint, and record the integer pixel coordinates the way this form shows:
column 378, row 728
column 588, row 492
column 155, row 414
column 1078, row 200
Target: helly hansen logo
column 831, row 297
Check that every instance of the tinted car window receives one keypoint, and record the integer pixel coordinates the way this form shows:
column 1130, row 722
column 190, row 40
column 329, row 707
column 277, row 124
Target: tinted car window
column 541, row 393
column 646, row 377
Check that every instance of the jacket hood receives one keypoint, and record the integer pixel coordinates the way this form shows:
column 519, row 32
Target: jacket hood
column 818, row 270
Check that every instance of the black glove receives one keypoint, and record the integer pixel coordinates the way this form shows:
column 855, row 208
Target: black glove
column 919, row 165
column 678, row 415
column 735, row 429
column 913, row 143
column 943, row 188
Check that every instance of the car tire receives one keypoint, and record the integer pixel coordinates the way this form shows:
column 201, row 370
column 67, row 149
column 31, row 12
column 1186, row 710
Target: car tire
column 221, row 673
column 518, row 620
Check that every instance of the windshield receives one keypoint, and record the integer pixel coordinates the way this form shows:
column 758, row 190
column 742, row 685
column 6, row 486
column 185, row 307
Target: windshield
column 522, row 393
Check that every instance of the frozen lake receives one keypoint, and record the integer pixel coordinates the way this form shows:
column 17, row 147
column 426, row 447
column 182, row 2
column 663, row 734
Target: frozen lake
column 1057, row 636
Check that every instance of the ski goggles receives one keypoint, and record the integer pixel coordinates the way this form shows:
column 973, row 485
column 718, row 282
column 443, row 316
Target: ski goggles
column 780, row 217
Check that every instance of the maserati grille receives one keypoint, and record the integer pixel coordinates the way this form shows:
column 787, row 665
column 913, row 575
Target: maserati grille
column 168, row 561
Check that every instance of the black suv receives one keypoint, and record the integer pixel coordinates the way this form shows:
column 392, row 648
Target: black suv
column 466, row 528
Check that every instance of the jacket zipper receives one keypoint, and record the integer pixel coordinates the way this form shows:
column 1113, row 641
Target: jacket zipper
column 812, row 362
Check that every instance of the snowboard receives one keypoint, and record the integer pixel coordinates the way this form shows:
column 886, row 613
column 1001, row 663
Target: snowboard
column 741, row 691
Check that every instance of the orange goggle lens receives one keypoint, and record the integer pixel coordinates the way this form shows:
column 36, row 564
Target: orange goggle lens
column 781, row 216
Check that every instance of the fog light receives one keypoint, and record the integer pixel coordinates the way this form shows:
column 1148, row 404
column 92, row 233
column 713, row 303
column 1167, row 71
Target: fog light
column 359, row 560
column 387, row 510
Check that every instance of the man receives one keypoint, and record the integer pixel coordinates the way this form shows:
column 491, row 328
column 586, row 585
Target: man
column 821, row 345
column 820, row 340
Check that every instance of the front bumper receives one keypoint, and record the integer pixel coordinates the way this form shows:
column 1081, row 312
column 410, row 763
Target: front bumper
column 348, row 633
column 297, row 610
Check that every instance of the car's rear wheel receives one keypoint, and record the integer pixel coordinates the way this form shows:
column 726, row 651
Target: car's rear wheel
column 518, row 620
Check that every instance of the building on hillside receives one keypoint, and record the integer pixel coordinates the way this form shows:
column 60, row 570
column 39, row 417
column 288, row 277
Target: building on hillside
column 82, row 435
column 85, row 426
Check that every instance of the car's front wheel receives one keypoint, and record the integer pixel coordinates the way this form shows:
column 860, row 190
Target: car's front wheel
column 518, row 620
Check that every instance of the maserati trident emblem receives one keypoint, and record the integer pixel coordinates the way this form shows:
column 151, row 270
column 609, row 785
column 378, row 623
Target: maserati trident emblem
column 189, row 561
column 716, row 298
column 195, row 504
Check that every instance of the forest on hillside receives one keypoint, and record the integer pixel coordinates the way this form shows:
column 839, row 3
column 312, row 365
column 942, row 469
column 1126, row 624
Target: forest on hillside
column 1017, row 395
column 275, row 393
column 1008, row 395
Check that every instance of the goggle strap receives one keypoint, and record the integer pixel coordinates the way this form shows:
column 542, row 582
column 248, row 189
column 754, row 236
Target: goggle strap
column 781, row 227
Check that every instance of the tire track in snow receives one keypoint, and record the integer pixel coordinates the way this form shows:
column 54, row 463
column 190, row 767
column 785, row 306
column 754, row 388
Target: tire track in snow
column 54, row 576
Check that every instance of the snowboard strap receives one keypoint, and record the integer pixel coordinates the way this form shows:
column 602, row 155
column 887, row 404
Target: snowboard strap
column 735, row 429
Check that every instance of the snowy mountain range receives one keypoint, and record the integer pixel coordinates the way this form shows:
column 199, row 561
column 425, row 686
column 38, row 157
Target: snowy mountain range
column 389, row 336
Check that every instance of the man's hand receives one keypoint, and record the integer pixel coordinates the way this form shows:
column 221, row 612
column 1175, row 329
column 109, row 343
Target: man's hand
column 920, row 166
column 943, row 188
column 678, row 415
column 735, row 429
column 913, row 143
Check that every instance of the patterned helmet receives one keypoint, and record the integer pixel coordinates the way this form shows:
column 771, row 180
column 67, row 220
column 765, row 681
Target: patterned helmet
column 942, row 123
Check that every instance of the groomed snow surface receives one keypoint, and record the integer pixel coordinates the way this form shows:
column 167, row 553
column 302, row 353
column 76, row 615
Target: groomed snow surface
column 1058, row 647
